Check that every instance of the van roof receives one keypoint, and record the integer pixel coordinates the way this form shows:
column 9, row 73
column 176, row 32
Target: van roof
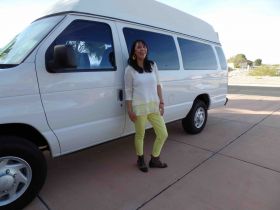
column 148, row 12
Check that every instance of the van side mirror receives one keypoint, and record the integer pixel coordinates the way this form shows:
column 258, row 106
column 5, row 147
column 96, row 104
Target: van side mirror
column 63, row 58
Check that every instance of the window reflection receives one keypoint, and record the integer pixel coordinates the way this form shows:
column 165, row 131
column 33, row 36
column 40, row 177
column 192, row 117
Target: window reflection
column 197, row 56
column 161, row 47
column 92, row 44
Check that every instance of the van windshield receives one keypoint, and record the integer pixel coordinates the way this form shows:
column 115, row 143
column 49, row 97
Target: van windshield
column 20, row 47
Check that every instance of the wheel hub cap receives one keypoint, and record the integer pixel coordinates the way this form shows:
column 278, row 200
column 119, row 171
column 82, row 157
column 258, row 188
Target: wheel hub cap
column 15, row 178
column 199, row 117
column 6, row 183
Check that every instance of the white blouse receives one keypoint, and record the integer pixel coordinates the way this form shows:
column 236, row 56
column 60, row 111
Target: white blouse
column 141, row 88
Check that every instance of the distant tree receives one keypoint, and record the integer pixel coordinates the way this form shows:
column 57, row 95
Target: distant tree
column 258, row 62
column 250, row 63
column 238, row 59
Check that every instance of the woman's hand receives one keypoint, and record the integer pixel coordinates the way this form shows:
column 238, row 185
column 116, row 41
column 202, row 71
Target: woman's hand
column 132, row 116
column 161, row 108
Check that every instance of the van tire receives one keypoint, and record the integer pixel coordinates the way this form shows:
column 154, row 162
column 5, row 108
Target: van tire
column 196, row 119
column 33, row 168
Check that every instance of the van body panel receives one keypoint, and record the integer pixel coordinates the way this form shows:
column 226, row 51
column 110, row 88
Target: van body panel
column 82, row 108
column 20, row 101
column 18, row 81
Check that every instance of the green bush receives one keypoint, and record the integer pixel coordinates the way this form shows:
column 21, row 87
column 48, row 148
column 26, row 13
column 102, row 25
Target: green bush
column 264, row 71
column 230, row 69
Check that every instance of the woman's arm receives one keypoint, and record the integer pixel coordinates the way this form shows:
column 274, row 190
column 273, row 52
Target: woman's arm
column 161, row 102
column 159, row 90
column 128, row 81
column 130, row 112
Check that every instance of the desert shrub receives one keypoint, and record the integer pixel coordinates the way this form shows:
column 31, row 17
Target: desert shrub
column 264, row 70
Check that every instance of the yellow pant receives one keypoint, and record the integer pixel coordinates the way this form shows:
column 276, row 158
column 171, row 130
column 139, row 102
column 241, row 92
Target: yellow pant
column 158, row 124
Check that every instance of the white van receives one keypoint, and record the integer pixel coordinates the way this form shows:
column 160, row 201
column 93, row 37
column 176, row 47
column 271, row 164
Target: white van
column 61, row 82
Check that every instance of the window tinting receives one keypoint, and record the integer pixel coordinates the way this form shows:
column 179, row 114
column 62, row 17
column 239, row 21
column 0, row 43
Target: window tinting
column 197, row 56
column 161, row 48
column 92, row 44
column 222, row 58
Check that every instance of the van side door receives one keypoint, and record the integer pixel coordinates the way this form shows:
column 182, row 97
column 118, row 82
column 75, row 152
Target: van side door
column 163, row 50
column 83, row 104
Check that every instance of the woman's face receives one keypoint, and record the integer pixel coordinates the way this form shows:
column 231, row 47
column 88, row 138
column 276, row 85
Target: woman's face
column 140, row 51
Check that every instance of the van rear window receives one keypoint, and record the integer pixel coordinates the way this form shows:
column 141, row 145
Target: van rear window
column 161, row 47
column 197, row 56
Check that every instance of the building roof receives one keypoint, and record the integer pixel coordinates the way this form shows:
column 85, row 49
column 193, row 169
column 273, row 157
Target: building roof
column 148, row 12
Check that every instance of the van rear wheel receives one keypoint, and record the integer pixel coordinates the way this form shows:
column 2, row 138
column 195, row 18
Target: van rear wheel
column 196, row 119
column 23, row 171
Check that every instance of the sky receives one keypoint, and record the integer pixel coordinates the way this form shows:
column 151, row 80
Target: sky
column 250, row 27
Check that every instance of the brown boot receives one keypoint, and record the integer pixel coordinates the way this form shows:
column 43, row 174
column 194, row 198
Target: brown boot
column 141, row 164
column 156, row 163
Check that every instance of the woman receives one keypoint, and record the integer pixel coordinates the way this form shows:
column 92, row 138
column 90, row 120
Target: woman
column 144, row 102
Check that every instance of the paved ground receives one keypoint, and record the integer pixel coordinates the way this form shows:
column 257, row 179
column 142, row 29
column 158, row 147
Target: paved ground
column 232, row 165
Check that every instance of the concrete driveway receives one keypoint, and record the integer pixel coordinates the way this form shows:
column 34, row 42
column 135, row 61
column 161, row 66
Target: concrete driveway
column 234, row 164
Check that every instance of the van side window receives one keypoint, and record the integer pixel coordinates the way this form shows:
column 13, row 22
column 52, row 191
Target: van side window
column 161, row 47
column 92, row 44
column 222, row 58
column 197, row 56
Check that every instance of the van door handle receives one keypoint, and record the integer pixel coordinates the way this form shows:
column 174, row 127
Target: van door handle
column 120, row 94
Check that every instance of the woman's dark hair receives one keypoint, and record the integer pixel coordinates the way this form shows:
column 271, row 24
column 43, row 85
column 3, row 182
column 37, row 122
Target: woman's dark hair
column 133, row 62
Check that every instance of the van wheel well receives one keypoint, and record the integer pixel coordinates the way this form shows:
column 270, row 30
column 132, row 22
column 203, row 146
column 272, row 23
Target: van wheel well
column 204, row 98
column 25, row 131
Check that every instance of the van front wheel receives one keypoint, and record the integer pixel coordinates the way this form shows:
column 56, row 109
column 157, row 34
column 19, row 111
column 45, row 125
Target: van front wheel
column 196, row 119
column 23, row 171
